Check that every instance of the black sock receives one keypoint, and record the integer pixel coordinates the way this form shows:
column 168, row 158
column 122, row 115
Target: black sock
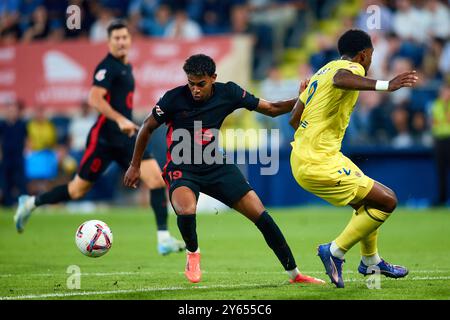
column 56, row 195
column 158, row 201
column 276, row 241
column 188, row 229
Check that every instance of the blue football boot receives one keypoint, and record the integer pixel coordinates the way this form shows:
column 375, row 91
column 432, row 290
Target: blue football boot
column 385, row 268
column 333, row 265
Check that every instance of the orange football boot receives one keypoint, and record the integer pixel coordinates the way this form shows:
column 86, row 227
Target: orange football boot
column 192, row 271
column 301, row 278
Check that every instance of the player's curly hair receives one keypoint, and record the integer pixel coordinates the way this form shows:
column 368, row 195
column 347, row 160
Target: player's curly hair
column 354, row 41
column 200, row 65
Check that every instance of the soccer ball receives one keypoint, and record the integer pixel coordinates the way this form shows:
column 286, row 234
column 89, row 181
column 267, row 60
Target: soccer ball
column 94, row 238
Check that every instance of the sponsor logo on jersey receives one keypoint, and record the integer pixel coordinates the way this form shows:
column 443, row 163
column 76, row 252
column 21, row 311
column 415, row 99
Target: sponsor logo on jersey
column 323, row 71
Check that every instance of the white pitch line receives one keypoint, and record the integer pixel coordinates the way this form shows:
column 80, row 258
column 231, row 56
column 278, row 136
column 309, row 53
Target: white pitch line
column 136, row 273
column 156, row 289
column 408, row 278
column 122, row 291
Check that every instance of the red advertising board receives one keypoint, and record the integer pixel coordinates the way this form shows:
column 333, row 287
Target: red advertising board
column 59, row 75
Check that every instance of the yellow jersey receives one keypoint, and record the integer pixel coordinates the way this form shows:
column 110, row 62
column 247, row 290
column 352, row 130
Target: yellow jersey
column 326, row 114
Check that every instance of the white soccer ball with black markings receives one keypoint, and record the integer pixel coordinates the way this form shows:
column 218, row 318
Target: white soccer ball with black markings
column 94, row 238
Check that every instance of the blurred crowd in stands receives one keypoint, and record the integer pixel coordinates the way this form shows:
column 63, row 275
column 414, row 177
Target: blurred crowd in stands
column 411, row 35
column 273, row 24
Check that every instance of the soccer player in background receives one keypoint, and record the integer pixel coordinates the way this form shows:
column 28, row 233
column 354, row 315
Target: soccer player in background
column 320, row 119
column 110, row 139
column 203, row 99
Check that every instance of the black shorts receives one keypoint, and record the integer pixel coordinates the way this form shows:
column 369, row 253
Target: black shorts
column 224, row 182
column 99, row 155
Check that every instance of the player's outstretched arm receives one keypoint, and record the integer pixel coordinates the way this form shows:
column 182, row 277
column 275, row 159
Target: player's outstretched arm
column 344, row 79
column 97, row 100
column 133, row 173
column 274, row 109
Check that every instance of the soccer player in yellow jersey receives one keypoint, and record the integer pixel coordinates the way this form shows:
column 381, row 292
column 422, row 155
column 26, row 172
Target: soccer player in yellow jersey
column 320, row 118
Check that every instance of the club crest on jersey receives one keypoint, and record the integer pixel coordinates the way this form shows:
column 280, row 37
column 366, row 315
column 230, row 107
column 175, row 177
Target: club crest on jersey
column 100, row 75
column 203, row 136
column 158, row 110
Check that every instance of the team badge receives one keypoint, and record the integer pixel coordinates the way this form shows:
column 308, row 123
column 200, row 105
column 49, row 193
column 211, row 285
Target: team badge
column 158, row 110
column 100, row 75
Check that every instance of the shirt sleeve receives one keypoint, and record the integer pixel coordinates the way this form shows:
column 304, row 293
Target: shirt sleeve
column 103, row 76
column 241, row 98
column 161, row 111
column 354, row 68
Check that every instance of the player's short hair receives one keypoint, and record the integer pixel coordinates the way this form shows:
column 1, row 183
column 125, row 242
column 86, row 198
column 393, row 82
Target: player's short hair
column 354, row 41
column 115, row 25
column 200, row 65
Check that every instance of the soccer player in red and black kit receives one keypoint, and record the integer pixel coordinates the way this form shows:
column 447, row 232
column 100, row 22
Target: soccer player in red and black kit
column 203, row 99
column 111, row 139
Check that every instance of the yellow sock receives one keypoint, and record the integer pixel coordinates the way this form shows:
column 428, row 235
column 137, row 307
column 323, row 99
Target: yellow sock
column 369, row 245
column 364, row 221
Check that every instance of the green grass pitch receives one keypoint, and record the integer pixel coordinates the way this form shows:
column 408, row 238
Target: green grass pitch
column 236, row 262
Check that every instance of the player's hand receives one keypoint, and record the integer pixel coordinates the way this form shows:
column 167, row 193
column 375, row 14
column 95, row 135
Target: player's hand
column 407, row 79
column 128, row 127
column 132, row 177
column 303, row 85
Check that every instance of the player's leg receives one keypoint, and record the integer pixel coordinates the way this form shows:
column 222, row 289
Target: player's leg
column 8, row 185
column 151, row 176
column 335, row 182
column 371, row 210
column 227, row 184
column 362, row 227
column 74, row 190
column 370, row 213
column 95, row 161
column 373, row 205
column 184, row 201
column 251, row 207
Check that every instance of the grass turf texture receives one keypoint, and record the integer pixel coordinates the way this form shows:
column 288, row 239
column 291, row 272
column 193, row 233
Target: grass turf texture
column 236, row 262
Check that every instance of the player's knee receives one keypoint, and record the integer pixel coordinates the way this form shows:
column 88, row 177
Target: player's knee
column 153, row 182
column 156, row 184
column 390, row 202
column 77, row 192
column 184, row 209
